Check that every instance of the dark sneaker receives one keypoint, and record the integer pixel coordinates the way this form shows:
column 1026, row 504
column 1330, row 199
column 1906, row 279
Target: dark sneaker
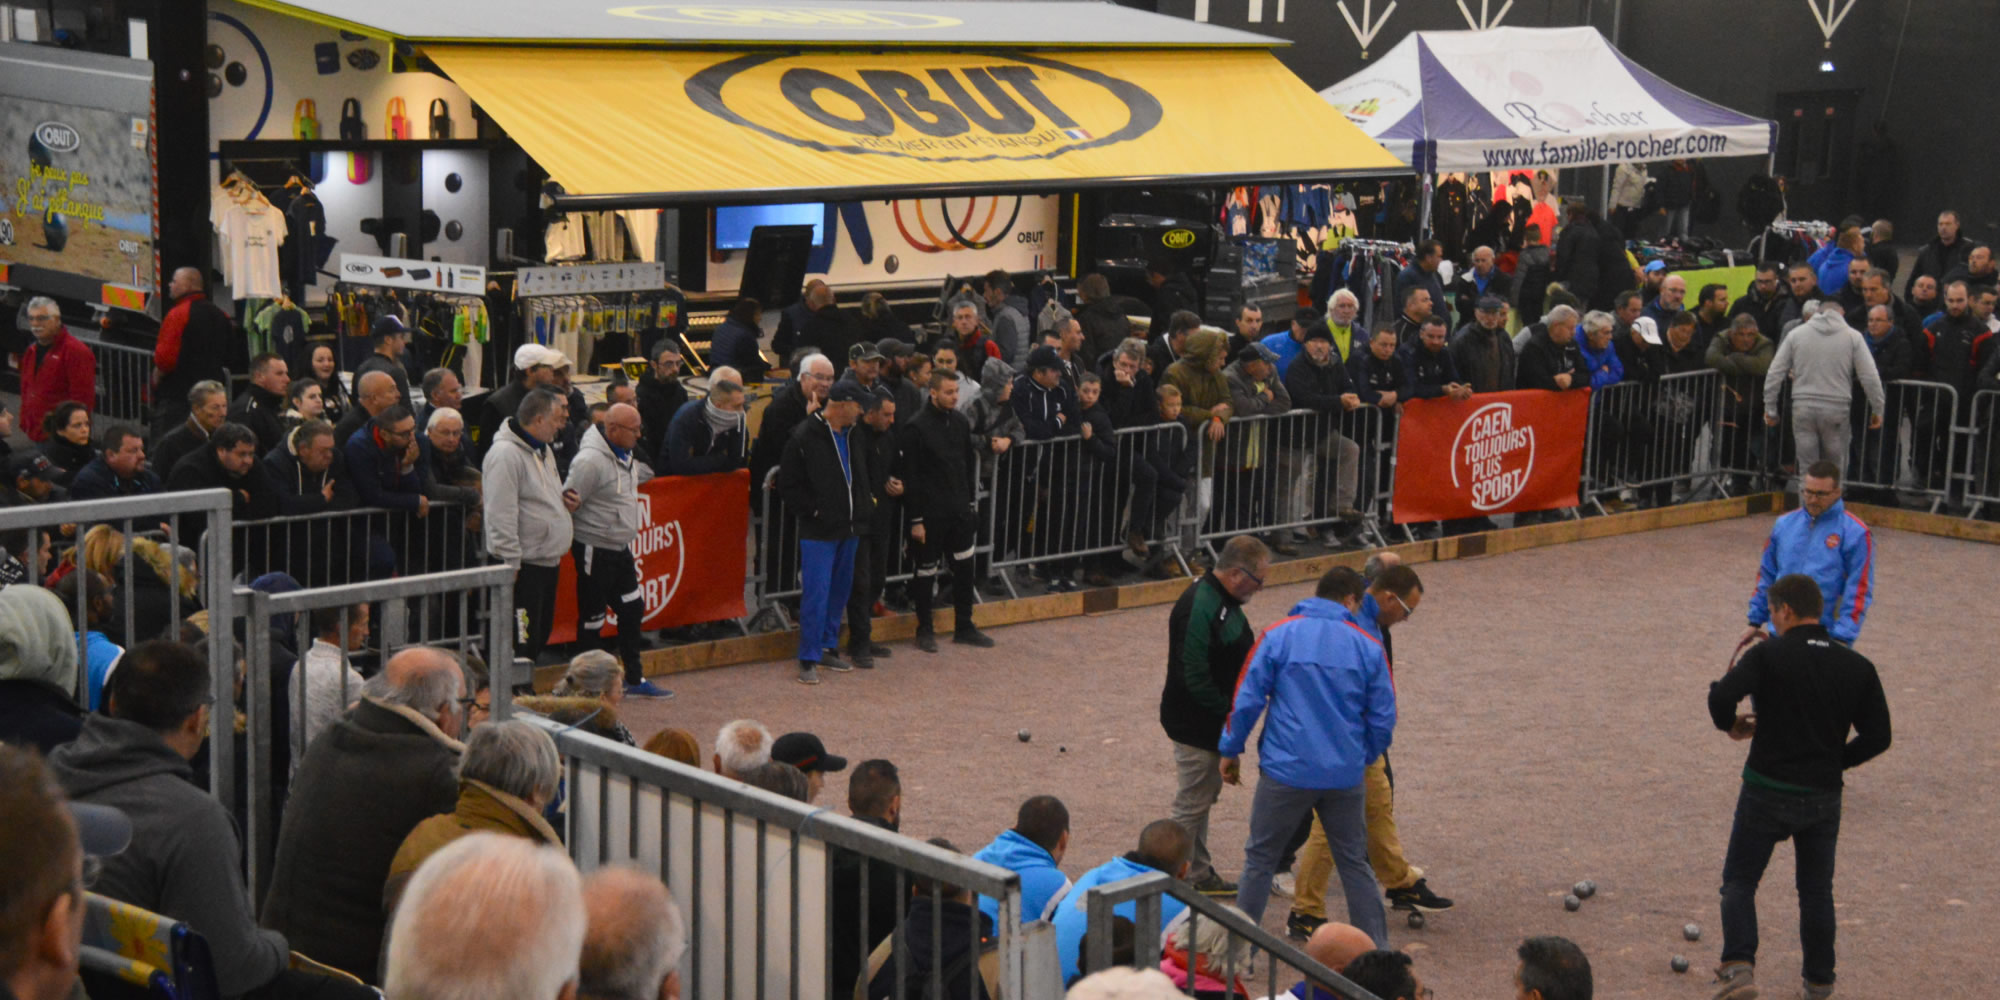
column 830, row 659
column 1418, row 897
column 1815, row 991
column 1215, row 885
column 647, row 689
column 1736, row 981
column 861, row 660
column 879, row 651
column 926, row 641
column 1301, row 926
column 972, row 637
column 808, row 672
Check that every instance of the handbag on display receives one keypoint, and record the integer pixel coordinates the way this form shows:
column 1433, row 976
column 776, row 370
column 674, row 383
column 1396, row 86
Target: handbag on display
column 399, row 119
column 305, row 120
column 440, row 118
column 352, row 128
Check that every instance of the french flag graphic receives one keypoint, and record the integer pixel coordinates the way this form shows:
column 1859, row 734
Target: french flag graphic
column 1076, row 133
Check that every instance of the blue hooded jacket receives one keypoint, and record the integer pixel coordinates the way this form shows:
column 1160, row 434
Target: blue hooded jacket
column 1332, row 708
column 1070, row 918
column 1605, row 368
column 1836, row 550
column 1041, row 881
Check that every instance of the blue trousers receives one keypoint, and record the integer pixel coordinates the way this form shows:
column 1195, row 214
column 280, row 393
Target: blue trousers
column 826, row 574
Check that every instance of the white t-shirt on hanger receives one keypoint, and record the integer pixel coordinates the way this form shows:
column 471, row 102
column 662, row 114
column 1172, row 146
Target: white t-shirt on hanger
column 250, row 233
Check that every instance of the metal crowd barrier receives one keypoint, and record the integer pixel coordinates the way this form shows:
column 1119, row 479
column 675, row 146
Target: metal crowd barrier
column 1259, row 950
column 1058, row 500
column 1285, row 471
column 350, row 546
column 101, row 536
column 454, row 610
column 752, row 872
column 124, row 383
column 1982, row 453
column 1655, row 437
column 1912, row 452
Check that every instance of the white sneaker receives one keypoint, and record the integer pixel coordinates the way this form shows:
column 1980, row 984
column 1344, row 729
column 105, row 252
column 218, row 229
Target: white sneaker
column 1283, row 884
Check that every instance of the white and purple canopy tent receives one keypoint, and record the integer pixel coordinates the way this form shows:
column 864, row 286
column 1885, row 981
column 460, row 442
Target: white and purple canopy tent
column 1526, row 98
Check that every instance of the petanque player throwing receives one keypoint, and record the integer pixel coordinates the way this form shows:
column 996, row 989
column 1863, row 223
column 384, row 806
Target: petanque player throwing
column 1806, row 692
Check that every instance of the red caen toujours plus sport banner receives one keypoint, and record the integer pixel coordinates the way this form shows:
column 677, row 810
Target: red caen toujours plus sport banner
column 1492, row 454
column 690, row 548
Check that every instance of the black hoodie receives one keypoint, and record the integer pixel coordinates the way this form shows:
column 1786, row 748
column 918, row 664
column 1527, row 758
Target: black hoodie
column 262, row 412
column 953, row 945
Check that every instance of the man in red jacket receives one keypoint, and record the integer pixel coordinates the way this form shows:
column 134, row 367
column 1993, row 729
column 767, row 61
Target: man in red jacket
column 55, row 369
column 193, row 347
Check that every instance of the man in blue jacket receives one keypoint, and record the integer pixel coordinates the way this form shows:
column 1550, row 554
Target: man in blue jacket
column 1163, row 847
column 1325, row 680
column 1032, row 849
column 1823, row 541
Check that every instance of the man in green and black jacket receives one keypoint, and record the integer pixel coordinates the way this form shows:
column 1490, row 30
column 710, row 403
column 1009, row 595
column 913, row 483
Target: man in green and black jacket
column 1207, row 644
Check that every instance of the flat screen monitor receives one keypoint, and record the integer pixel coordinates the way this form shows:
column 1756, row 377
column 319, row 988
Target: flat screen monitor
column 733, row 225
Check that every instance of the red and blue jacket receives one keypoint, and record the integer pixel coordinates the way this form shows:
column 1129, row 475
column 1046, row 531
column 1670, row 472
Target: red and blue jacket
column 1836, row 550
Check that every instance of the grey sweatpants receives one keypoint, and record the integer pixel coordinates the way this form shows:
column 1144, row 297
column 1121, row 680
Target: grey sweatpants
column 1821, row 432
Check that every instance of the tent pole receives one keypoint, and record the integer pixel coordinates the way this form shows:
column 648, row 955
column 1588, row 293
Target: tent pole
column 1424, row 214
column 1604, row 189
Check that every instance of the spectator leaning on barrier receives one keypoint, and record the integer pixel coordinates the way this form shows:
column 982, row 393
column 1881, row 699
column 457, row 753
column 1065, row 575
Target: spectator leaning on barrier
column 1481, row 350
column 526, row 513
column 56, row 368
column 707, row 435
column 1205, row 400
column 489, row 916
column 605, row 479
column 208, row 408
column 635, row 938
column 364, row 785
column 193, row 346
column 1428, row 364
column 227, row 461
column 509, row 774
column 301, row 472
column 1034, row 850
column 823, row 480
column 261, row 407
column 1549, row 358
column 117, row 471
column 374, row 392
column 183, row 860
column 446, row 472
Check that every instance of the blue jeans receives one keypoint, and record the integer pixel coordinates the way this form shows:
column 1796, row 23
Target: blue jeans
column 1763, row 819
column 826, row 574
column 1276, row 811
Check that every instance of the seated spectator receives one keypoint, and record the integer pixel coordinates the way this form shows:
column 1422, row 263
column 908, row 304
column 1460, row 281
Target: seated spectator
column 1207, row 952
column 707, row 435
column 1386, row 974
column 301, row 471
column 963, row 956
column 875, row 797
column 44, row 846
column 597, row 675
column 261, row 407
column 159, row 589
column 1122, row 982
column 778, row 778
column 208, row 408
column 376, row 773
column 442, row 391
column 1552, row 968
column 1333, row 945
column 1034, row 850
column 119, row 470
column 37, row 670
column 740, row 746
column 509, row 775
column 488, row 916
column 634, row 940
column 100, row 653
column 304, row 401
column 1164, row 846
column 183, row 861
column 805, row 752
column 227, row 460
column 326, row 683
column 677, row 745
column 30, row 480
column 67, row 443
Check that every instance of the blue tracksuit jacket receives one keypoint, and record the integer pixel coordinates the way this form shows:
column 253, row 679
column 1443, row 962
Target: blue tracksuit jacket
column 1836, row 550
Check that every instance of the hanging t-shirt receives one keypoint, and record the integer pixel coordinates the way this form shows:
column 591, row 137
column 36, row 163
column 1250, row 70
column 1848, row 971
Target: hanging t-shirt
column 250, row 234
column 564, row 240
column 643, row 225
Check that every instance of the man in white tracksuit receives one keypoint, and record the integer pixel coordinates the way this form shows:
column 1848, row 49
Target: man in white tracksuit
column 527, row 512
column 1822, row 358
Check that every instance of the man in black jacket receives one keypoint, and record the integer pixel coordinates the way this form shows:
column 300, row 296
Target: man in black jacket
column 875, row 797
column 1550, row 359
column 1765, row 301
column 790, row 405
column 535, row 368
column 263, row 401
column 1172, row 293
column 823, row 481
column 875, row 436
column 117, row 471
column 1318, row 382
column 1939, row 256
column 707, row 434
column 814, row 322
column 661, row 395
column 1100, row 317
column 1577, row 254
column 227, row 461
column 1208, row 640
column 1477, row 282
column 1481, row 351
column 389, row 337
column 1807, row 692
column 208, row 408
column 941, row 474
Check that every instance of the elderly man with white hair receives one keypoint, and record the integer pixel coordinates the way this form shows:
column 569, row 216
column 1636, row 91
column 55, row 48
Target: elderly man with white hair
column 489, row 916
column 634, row 940
column 740, row 746
column 1549, row 358
column 452, row 476
column 508, row 777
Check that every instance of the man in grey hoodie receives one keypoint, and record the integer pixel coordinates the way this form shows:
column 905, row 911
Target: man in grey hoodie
column 183, row 858
column 605, row 478
column 1822, row 359
column 527, row 512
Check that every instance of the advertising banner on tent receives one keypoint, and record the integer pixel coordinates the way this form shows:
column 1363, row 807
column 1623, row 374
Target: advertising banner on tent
column 1495, row 453
column 692, row 533
column 76, row 178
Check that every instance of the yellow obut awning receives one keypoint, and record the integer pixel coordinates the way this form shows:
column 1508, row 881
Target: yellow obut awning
column 708, row 124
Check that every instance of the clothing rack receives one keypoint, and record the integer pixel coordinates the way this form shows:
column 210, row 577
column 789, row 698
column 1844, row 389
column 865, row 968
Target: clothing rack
column 1819, row 229
column 1385, row 246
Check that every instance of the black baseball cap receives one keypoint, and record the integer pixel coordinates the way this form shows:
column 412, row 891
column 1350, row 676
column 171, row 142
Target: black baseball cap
column 388, row 325
column 1044, row 357
column 805, row 752
column 849, row 392
column 893, row 348
column 1490, row 303
column 863, row 351
column 32, row 463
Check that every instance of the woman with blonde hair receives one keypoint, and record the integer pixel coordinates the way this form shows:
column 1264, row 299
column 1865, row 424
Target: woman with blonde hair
column 158, row 582
column 587, row 697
